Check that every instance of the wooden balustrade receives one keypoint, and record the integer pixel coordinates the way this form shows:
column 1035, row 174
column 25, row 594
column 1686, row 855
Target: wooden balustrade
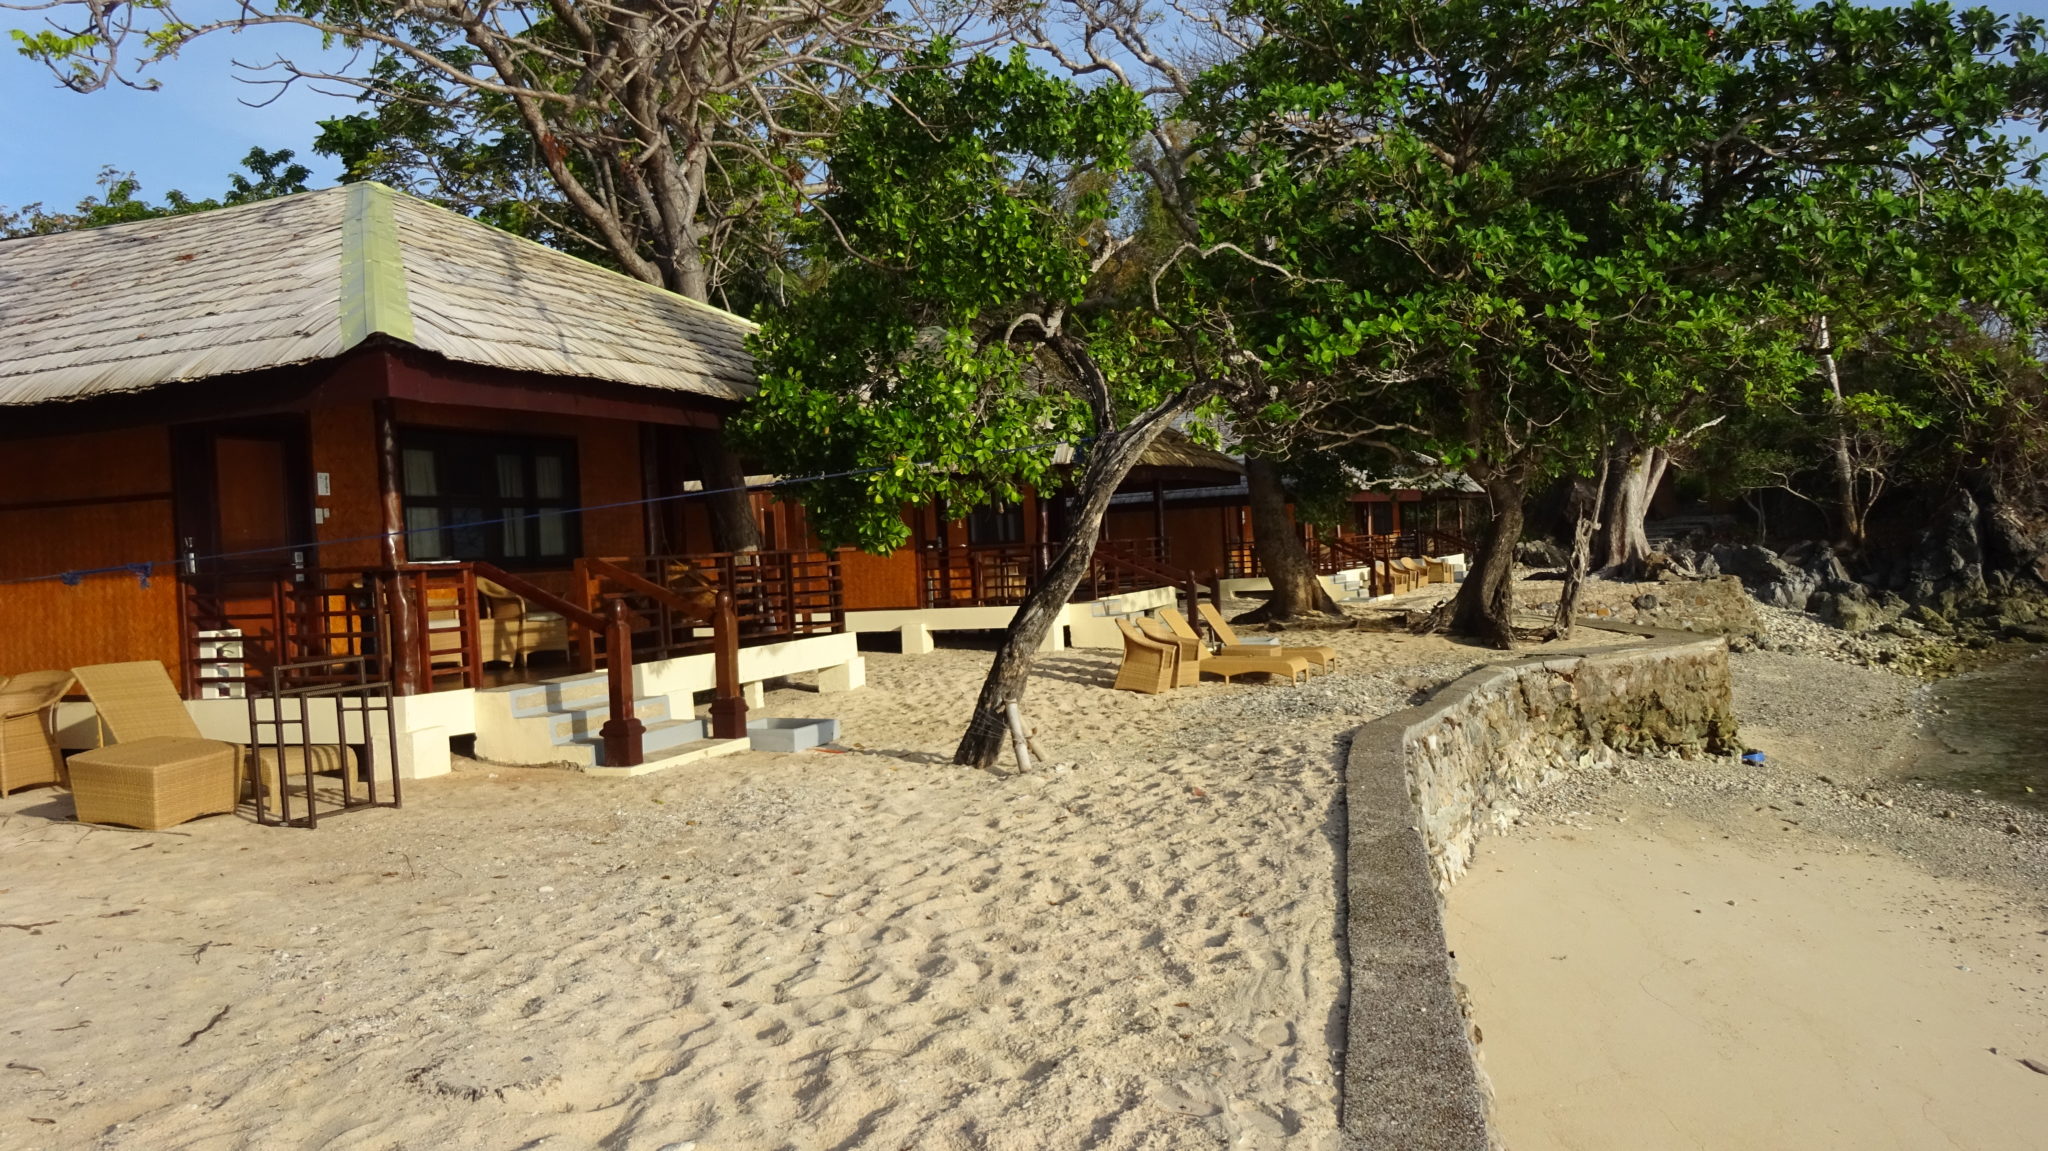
column 678, row 612
column 300, row 616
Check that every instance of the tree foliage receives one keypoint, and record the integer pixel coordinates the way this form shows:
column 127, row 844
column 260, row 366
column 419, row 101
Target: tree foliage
column 1521, row 231
column 963, row 322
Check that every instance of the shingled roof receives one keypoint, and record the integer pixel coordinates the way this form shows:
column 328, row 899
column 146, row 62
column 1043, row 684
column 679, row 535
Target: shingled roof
column 307, row 277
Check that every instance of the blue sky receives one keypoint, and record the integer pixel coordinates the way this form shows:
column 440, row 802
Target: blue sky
column 194, row 131
column 189, row 135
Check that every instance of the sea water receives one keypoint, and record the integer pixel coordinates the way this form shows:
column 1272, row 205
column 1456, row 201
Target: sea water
column 1994, row 735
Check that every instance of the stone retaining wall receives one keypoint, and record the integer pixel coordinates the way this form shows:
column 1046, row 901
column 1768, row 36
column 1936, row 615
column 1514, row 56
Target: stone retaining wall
column 1422, row 784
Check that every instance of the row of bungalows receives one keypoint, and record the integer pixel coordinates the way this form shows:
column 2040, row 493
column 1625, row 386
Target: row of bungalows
column 348, row 432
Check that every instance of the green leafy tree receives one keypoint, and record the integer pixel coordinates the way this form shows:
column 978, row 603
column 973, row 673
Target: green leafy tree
column 1530, row 235
column 980, row 296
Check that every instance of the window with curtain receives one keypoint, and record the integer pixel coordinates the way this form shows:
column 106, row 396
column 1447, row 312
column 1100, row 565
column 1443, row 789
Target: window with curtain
column 505, row 499
column 1002, row 524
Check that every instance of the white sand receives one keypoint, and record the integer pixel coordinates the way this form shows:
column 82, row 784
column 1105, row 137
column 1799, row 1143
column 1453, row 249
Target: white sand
column 872, row 950
column 1725, row 975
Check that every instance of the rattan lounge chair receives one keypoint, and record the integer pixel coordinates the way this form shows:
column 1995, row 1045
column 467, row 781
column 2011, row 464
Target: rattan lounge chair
column 1322, row 658
column 28, row 747
column 160, row 771
column 1229, row 667
column 1191, row 651
column 1149, row 665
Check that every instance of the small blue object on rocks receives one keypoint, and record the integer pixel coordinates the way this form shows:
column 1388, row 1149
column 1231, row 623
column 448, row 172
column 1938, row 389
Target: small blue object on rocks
column 1756, row 757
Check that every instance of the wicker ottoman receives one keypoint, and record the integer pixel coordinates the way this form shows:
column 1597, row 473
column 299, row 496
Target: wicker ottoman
column 154, row 783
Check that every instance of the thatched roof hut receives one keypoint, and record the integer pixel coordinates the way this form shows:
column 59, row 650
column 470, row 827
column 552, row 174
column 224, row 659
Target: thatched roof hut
column 309, row 277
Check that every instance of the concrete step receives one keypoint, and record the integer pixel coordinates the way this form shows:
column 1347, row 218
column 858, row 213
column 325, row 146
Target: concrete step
column 673, row 757
column 578, row 723
column 666, row 735
column 565, row 694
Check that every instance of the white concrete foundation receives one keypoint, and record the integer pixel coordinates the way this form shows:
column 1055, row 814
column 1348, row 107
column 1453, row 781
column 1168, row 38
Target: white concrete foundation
column 426, row 723
column 846, row 677
column 1091, row 624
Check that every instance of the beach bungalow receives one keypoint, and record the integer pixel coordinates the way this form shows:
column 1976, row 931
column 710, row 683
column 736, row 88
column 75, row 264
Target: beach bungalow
column 349, row 423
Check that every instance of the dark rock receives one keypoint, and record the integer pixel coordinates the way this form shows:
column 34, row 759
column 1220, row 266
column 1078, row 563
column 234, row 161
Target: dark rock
column 1540, row 554
column 1645, row 603
column 1949, row 554
column 1768, row 576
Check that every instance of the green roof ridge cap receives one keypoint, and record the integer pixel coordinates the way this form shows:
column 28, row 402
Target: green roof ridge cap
column 373, row 292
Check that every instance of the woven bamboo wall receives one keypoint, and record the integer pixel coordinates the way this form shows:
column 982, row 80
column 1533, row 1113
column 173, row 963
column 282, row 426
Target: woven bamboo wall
column 81, row 501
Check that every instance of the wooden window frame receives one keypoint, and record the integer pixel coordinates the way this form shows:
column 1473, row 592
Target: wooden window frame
column 483, row 448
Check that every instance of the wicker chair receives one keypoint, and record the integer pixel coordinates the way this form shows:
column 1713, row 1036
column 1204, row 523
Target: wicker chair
column 160, row 771
column 1148, row 665
column 513, row 630
column 1188, row 667
column 28, row 748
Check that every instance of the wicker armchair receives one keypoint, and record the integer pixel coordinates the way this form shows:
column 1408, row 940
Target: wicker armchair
column 1149, row 665
column 28, row 748
column 513, row 630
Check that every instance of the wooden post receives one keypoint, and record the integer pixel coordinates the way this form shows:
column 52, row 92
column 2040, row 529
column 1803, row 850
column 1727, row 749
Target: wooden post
column 1044, row 516
column 405, row 671
column 729, row 705
column 1159, row 519
column 622, row 730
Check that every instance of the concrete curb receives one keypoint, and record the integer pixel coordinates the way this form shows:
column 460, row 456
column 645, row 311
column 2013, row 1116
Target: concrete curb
column 1412, row 1081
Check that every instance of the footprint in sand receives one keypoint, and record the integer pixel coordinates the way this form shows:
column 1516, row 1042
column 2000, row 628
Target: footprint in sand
column 1182, row 1102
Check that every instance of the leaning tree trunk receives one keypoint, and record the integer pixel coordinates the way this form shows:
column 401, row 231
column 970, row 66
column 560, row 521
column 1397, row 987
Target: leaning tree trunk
column 1297, row 590
column 1633, row 474
column 1848, row 507
column 1588, row 499
column 1112, row 458
column 1485, row 608
column 733, row 526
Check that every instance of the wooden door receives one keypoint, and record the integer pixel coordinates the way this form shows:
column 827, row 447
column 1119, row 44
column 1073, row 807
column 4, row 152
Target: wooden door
column 244, row 503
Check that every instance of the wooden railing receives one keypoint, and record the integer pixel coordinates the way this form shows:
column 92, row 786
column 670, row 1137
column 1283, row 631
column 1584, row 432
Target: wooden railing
column 978, row 575
column 1341, row 553
column 691, row 615
column 622, row 730
column 1121, row 566
column 775, row 595
column 235, row 627
column 1003, row 575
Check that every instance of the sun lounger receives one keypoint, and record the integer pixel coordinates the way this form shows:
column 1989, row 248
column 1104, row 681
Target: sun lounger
column 1149, row 665
column 28, row 748
column 137, row 705
column 1229, row 667
column 1324, row 658
column 160, row 771
column 1188, row 668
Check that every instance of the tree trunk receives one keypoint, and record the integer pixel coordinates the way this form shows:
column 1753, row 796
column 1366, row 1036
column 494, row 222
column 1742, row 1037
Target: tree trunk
column 1296, row 589
column 1111, row 459
column 1588, row 500
column 1847, row 506
column 733, row 526
column 1485, row 607
column 1633, row 474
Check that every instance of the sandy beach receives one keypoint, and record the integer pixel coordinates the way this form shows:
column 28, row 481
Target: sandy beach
column 1826, row 952
column 1136, row 947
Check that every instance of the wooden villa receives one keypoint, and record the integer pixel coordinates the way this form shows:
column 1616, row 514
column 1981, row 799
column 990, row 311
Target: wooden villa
column 351, row 423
